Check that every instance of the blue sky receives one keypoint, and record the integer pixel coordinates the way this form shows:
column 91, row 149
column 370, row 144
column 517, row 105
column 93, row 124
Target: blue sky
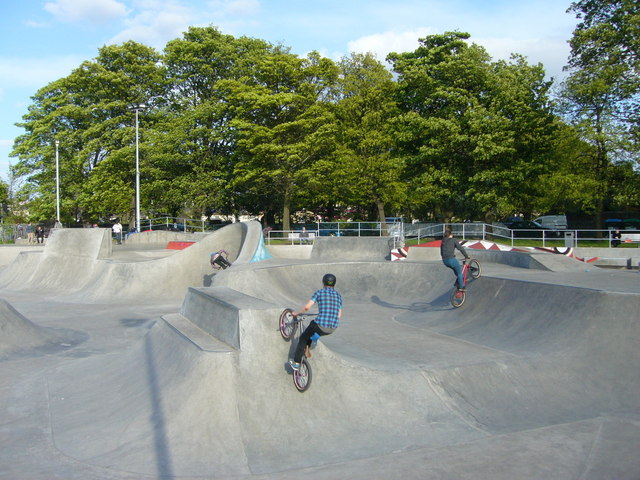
column 43, row 40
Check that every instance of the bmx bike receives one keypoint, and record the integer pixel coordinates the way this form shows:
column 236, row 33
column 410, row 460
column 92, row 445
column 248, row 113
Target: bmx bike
column 470, row 267
column 289, row 325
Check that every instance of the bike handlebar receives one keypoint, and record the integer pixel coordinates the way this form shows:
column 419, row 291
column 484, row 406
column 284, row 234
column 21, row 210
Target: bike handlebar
column 304, row 315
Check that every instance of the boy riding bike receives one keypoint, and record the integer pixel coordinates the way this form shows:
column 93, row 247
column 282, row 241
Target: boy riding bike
column 218, row 259
column 448, row 253
column 330, row 310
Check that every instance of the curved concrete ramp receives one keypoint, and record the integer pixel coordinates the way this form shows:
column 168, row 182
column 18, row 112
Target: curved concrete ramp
column 522, row 259
column 522, row 363
column 79, row 264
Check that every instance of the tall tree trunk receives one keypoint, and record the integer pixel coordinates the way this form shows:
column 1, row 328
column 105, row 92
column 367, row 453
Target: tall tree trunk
column 286, row 211
column 382, row 217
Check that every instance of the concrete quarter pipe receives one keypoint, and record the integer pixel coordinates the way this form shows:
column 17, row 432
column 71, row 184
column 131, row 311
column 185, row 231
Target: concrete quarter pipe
column 531, row 378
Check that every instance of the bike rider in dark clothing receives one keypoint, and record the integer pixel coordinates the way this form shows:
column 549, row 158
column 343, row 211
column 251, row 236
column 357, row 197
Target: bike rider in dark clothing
column 448, row 253
column 218, row 258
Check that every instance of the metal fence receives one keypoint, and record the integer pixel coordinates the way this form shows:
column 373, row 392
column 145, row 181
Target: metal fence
column 176, row 224
column 333, row 229
column 9, row 233
column 400, row 231
column 502, row 234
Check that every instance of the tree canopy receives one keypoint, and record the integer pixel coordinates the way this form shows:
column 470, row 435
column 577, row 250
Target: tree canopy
column 600, row 98
column 236, row 124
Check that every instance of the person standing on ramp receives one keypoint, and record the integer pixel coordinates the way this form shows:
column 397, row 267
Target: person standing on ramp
column 329, row 313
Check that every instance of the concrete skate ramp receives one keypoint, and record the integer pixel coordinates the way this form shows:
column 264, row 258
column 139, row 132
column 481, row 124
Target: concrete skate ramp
column 78, row 264
column 19, row 335
column 370, row 249
column 529, row 260
column 404, row 371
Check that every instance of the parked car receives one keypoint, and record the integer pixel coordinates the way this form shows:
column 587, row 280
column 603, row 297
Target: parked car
column 553, row 222
column 529, row 229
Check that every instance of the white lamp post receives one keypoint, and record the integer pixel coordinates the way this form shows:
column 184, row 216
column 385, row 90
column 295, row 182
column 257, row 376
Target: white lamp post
column 137, row 108
column 57, row 186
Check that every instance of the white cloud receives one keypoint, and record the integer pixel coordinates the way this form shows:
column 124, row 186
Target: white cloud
column 91, row 11
column 155, row 26
column 382, row 44
column 551, row 52
column 243, row 7
column 234, row 7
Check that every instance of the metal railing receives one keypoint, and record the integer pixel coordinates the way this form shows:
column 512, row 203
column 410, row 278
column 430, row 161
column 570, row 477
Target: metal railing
column 502, row 234
column 334, row 229
column 178, row 224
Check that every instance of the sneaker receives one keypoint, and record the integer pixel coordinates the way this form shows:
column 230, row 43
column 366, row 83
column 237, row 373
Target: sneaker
column 294, row 365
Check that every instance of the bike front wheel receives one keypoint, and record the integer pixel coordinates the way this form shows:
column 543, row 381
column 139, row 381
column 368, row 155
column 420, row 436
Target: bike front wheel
column 302, row 376
column 474, row 268
column 458, row 297
column 287, row 324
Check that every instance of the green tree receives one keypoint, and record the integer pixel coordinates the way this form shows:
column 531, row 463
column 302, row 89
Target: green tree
column 600, row 95
column 571, row 184
column 284, row 123
column 89, row 113
column 608, row 36
column 474, row 133
column 196, row 146
column 5, row 199
column 366, row 169
column 588, row 104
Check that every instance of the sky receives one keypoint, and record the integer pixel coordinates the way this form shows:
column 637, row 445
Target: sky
column 44, row 40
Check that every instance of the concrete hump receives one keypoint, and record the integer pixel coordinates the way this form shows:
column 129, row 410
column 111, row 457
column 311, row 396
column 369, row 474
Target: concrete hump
column 370, row 249
column 19, row 334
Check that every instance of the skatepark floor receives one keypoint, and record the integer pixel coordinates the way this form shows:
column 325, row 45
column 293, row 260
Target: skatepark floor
column 535, row 377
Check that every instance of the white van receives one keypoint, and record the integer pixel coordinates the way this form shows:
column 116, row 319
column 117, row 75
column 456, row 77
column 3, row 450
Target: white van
column 553, row 222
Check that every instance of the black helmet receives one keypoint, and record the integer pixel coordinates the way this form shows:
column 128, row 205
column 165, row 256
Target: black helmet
column 329, row 280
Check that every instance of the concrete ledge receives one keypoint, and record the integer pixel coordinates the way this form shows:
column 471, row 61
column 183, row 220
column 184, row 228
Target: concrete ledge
column 352, row 248
column 196, row 335
column 299, row 252
column 216, row 310
column 606, row 252
column 617, row 262
column 93, row 243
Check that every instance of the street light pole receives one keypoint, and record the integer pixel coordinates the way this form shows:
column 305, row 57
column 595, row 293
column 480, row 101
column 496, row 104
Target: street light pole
column 57, row 186
column 137, row 108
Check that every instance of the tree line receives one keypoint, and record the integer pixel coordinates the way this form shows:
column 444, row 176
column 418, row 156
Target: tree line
column 236, row 124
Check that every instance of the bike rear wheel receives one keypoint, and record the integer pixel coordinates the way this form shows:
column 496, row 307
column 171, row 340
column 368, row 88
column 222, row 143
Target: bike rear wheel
column 474, row 268
column 287, row 324
column 302, row 376
column 458, row 297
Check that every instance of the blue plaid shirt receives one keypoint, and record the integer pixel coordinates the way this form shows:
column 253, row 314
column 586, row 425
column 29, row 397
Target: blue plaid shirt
column 329, row 304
